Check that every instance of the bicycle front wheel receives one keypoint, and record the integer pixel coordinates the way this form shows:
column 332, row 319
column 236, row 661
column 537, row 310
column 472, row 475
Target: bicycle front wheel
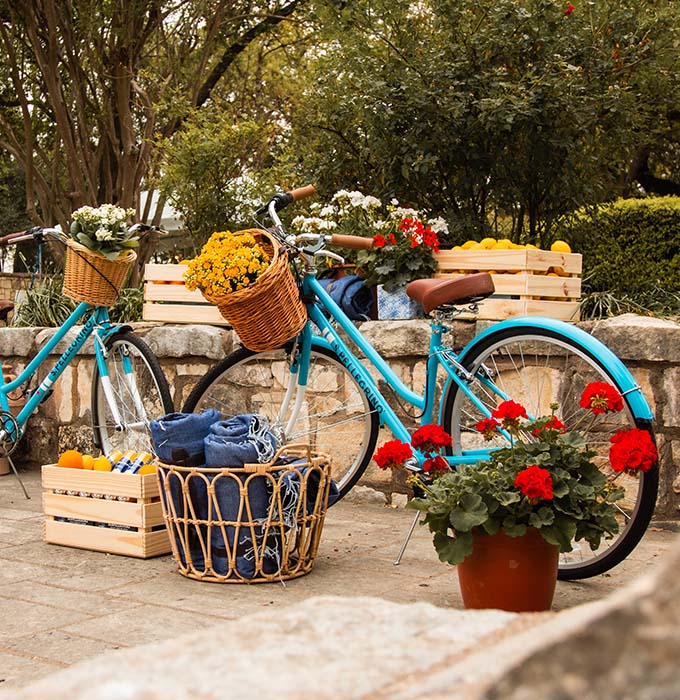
column 334, row 416
column 136, row 388
column 535, row 367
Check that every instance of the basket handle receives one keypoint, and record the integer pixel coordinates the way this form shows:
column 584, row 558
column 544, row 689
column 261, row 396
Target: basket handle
column 262, row 467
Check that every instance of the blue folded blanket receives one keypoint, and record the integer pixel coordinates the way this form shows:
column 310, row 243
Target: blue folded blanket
column 240, row 440
column 178, row 437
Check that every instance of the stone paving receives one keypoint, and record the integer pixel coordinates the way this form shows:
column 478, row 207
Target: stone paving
column 59, row 605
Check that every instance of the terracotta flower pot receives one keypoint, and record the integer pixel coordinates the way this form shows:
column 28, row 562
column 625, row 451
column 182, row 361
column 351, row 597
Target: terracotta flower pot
column 509, row 573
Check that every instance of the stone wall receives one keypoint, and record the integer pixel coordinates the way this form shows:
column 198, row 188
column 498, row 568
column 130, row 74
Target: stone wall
column 649, row 347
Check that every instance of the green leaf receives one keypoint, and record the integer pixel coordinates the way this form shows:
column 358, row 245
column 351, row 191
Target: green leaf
column 453, row 550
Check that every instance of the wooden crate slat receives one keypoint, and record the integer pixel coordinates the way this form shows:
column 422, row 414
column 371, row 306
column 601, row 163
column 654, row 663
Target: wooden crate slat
column 155, row 272
column 134, row 513
column 101, row 539
column 112, row 483
column 494, row 309
column 183, row 313
column 537, row 260
column 174, row 293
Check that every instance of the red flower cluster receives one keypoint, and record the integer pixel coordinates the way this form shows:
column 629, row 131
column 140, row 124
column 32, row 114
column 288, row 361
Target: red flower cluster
column 509, row 412
column 430, row 438
column 488, row 427
column 392, row 454
column 380, row 241
column 419, row 233
column 600, row 397
column 553, row 423
column 436, row 465
column 569, row 10
column 632, row 450
column 535, row 483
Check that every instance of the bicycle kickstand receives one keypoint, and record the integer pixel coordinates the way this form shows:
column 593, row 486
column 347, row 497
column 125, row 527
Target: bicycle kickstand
column 397, row 561
column 16, row 473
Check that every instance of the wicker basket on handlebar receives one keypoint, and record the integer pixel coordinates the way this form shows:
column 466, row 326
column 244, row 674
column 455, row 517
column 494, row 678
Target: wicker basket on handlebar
column 92, row 277
column 268, row 312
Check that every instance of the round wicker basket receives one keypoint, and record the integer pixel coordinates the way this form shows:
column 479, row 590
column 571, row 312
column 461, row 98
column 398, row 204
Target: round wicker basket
column 270, row 311
column 93, row 278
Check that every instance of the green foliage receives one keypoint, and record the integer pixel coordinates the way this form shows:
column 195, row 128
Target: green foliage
column 489, row 113
column 46, row 306
column 205, row 172
column 631, row 254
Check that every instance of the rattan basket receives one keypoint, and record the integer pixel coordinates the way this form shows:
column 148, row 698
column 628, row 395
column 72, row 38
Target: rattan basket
column 93, row 278
column 270, row 311
column 254, row 524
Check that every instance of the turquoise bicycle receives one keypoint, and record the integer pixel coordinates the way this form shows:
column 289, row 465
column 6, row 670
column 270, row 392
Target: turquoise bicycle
column 129, row 387
column 316, row 389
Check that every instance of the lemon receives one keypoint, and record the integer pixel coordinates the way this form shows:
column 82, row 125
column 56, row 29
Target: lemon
column 88, row 461
column 560, row 247
column 101, row 464
column 468, row 244
column 488, row 243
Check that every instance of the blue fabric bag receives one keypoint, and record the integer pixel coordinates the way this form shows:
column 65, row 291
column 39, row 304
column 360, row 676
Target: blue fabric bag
column 352, row 295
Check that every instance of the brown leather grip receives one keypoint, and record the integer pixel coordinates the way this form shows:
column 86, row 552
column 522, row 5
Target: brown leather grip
column 7, row 240
column 302, row 192
column 354, row 242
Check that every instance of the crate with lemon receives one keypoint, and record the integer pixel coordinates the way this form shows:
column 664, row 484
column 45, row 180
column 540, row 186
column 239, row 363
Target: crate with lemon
column 528, row 280
column 109, row 503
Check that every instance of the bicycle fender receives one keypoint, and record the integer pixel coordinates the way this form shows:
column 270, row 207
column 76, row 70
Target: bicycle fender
column 633, row 392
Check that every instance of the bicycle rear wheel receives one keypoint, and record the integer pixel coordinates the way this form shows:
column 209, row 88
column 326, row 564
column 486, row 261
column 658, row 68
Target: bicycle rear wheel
column 335, row 416
column 139, row 390
column 536, row 366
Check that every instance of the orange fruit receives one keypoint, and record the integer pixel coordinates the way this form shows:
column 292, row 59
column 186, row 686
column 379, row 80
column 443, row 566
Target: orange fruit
column 88, row 461
column 101, row 464
column 71, row 458
column 147, row 469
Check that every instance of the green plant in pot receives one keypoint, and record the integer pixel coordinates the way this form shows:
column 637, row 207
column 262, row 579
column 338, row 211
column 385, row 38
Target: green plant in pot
column 541, row 494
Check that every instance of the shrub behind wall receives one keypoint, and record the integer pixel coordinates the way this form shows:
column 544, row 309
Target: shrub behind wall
column 630, row 247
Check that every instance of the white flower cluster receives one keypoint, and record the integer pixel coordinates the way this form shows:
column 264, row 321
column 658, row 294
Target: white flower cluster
column 106, row 216
column 103, row 229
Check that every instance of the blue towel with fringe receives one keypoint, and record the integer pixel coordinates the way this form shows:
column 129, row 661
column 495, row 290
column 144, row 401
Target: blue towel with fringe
column 178, row 438
column 243, row 439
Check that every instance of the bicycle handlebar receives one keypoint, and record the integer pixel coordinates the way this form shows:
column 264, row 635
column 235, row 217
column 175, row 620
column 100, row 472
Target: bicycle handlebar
column 10, row 238
column 353, row 242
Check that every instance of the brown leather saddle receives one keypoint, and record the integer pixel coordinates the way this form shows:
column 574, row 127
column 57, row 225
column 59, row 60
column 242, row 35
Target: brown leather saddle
column 433, row 293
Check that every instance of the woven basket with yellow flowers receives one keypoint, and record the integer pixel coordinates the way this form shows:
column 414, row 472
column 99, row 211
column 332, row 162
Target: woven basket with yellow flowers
column 247, row 276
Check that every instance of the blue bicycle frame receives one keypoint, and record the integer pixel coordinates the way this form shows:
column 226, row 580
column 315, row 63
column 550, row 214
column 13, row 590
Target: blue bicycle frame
column 439, row 355
column 97, row 325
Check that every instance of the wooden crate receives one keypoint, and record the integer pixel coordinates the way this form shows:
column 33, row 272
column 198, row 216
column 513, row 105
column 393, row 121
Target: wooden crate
column 104, row 511
column 523, row 286
column 166, row 298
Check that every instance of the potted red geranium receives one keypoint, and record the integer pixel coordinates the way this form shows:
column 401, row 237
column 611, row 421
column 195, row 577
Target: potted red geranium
column 527, row 503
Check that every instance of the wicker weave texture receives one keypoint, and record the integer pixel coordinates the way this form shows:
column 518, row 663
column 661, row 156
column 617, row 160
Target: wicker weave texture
column 93, row 278
column 269, row 312
column 221, row 530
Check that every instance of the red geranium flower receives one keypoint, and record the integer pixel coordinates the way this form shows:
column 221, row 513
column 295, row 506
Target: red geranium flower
column 509, row 412
column 488, row 427
column 632, row 450
column 600, row 397
column 535, row 483
column 431, row 438
column 569, row 10
column 392, row 454
column 378, row 240
column 553, row 423
column 436, row 465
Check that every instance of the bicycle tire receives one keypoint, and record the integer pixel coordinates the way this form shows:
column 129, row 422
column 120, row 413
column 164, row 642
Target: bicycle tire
column 337, row 419
column 152, row 387
column 515, row 356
